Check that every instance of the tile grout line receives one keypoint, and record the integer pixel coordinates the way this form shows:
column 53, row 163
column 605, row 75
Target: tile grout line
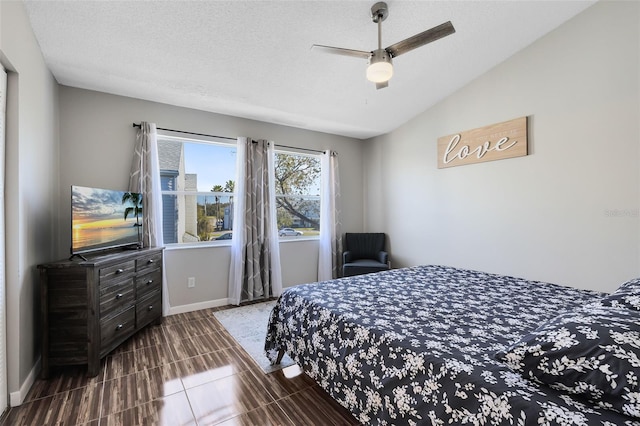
column 104, row 380
column 186, row 395
column 184, row 388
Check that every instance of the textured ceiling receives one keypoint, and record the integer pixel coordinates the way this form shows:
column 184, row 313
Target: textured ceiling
column 253, row 59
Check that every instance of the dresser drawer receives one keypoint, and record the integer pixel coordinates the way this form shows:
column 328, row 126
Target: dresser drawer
column 117, row 272
column 148, row 309
column 149, row 283
column 149, row 263
column 116, row 329
column 116, row 296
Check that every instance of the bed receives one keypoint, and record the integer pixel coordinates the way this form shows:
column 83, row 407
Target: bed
column 438, row 345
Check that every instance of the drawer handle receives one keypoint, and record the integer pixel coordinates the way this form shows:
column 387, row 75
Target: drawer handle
column 119, row 327
column 119, row 296
column 150, row 261
column 119, row 271
column 150, row 308
column 149, row 282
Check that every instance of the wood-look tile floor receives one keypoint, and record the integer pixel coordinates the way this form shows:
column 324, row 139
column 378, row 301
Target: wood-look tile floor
column 187, row 371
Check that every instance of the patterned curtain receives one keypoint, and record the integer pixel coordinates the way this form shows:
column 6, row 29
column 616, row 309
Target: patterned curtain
column 145, row 179
column 329, row 259
column 255, row 252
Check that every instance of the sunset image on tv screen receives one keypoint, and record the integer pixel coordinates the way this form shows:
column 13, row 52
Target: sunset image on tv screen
column 103, row 218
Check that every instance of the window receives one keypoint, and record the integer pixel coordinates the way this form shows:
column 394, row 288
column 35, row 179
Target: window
column 297, row 194
column 198, row 180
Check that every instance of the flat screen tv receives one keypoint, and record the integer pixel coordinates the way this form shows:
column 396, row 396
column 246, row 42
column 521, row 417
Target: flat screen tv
column 104, row 219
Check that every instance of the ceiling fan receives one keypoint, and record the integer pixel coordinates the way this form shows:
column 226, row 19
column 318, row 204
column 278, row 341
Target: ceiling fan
column 380, row 68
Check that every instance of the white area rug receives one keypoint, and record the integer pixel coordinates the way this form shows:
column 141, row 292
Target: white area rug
column 248, row 325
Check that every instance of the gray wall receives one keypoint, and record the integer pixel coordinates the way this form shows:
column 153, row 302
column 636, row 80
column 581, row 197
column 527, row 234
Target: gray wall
column 97, row 139
column 568, row 212
column 31, row 188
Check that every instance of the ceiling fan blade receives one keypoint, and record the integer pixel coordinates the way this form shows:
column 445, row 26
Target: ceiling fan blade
column 382, row 85
column 341, row 51
column 421, row 39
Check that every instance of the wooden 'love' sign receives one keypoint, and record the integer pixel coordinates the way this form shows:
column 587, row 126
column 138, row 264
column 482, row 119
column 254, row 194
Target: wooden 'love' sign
column 495, row 142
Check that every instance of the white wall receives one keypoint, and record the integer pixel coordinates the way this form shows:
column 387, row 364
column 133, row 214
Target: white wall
column 97, row 139
column 31, row 191
column 568, row 212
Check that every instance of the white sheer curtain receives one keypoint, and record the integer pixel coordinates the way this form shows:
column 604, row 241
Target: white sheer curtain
column 255, row 251
column 329, row 259
column 145, row 179
column 3, row 299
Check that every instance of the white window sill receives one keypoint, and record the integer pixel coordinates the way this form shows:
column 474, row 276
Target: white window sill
column 227, row 243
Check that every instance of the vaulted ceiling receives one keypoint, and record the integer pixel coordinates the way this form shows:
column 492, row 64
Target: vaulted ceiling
column 253, row 59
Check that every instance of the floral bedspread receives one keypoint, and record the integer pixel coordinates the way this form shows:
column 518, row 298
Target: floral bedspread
column 417, row 346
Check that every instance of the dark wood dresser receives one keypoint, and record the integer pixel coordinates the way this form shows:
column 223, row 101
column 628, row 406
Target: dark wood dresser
column 89, row 307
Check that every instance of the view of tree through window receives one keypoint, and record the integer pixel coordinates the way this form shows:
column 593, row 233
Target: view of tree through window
column 198, row 185
column 297, row 194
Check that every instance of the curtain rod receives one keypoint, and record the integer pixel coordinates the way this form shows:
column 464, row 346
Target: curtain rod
column 299, row 149
column 190, row 133
column 226, row 137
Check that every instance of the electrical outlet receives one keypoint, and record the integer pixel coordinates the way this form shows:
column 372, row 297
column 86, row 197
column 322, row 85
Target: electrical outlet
column 191, row 282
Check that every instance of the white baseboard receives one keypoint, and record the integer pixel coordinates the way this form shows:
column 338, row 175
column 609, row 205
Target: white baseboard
column 197, row 306
column 17, row 398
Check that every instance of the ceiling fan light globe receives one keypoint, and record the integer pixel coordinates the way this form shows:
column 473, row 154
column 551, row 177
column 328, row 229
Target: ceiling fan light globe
column 379, row 72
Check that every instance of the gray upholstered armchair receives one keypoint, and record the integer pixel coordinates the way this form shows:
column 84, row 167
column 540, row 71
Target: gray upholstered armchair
column 364, row 253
